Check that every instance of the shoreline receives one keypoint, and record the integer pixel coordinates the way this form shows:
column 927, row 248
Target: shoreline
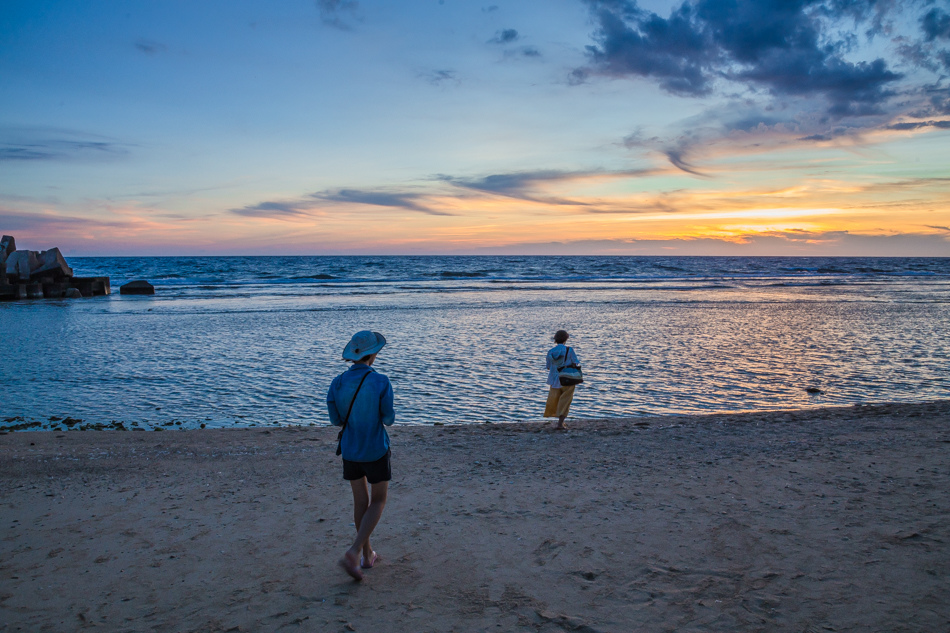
column 63, row 424
column 800, row 520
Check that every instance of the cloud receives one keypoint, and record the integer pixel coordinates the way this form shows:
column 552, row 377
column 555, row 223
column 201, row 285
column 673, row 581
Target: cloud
column 47, row 226
column 677, row 157
column 783, row 48
column 311, row 204
column 943, row 125
column 408, row 201
column 520, row 184
column 523, row 51
column 513, row 185
column 33, row 222
column 505, row 36
column 529, row 186
column 150, row 47
column 439, row 77
column 339, row 13
column 41, row 144
column 276, row 210
column 936, row 25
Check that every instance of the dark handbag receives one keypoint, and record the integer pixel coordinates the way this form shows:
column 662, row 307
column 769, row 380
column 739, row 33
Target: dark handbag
column 569, row 375
column 339, row 438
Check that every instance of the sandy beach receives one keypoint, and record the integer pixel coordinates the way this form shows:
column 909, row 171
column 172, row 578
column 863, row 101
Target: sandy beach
column 809, row 521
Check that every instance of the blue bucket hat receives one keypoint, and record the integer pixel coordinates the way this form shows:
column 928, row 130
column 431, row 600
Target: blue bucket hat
column 363, row 344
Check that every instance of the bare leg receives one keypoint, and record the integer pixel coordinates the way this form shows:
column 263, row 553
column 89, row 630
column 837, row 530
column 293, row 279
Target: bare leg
column 360, row 503
column 367, row 524
column 560, row 423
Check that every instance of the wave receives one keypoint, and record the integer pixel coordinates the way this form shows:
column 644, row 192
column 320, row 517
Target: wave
column 462, row 273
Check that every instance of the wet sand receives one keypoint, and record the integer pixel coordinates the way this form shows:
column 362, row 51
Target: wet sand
column 807, row 521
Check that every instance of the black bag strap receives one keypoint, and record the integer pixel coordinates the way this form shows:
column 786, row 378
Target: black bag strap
column 339, row 437
column 567, row 354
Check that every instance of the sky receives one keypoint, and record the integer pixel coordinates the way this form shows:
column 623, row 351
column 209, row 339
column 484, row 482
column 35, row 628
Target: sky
column 298, row 127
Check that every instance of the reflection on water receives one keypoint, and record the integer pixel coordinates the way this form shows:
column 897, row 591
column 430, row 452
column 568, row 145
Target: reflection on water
column 465, row 355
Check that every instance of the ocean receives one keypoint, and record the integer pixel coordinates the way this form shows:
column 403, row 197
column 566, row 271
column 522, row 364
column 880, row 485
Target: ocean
column 236, row 341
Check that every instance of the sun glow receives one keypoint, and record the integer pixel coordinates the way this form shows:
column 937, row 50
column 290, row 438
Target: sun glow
column 764, row 214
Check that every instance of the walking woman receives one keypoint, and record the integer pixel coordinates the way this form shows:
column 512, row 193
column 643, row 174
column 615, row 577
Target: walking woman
column 559, row 397
column 361, row 401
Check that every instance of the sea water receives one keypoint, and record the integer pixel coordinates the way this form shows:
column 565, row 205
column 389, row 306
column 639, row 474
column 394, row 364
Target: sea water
column 256, row 340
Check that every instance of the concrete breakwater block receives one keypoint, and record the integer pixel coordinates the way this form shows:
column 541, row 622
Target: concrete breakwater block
column 91, row 286
column 7, row 246
column 12, row 291
column 71, row 288
column 28, row 274
column 51, row 263
column 55, row 289
column 21, row 263
column 137, row 287
column 34, row 291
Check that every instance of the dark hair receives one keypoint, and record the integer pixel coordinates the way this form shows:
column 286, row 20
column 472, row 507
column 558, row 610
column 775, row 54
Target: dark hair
column 365, row 358
column 561, row 336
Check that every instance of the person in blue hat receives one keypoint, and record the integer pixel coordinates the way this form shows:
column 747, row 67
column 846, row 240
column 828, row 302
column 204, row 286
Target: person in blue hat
column 361, row 401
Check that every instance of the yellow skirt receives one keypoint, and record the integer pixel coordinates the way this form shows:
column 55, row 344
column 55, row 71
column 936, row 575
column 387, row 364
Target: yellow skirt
column 559, row 402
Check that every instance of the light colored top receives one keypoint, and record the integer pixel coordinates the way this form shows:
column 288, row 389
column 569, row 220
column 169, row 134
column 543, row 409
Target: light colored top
column 365, row 438
column 556, row 359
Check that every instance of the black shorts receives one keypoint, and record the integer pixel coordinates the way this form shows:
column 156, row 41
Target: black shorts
column 375, row 472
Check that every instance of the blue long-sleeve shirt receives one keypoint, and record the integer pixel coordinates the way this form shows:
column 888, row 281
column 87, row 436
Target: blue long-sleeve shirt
column 365, row 438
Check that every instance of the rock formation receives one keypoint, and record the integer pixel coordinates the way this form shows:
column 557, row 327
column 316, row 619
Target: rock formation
column 137, row 287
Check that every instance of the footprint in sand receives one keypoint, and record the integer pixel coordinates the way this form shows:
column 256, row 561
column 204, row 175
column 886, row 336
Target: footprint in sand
column 547, row 551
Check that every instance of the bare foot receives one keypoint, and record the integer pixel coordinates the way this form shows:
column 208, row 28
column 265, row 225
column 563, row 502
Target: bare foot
column 367, row 562
column 350, row 565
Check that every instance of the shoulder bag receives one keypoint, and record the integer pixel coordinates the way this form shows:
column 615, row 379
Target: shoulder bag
column 569, row 375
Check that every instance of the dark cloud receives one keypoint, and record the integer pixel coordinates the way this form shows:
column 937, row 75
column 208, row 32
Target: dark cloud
column 38, row 144
column 636, row 42
column 150, row 47
column 408, row 201
column 505, row 36
column 936, row 25
column 786, row 48
column 339, row 14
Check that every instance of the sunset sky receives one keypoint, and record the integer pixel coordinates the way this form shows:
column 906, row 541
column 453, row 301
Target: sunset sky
column 442, row 126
